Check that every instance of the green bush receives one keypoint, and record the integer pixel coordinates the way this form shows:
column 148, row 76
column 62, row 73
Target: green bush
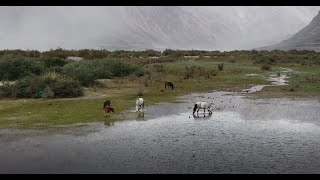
column 65, row 87
column 6, row 90
column 88, row 71
column 48, row 93
column 54, row 62
column 140, row 72
column 18, row 67
column 220, row 67
column 265, row 67
column 52, row 87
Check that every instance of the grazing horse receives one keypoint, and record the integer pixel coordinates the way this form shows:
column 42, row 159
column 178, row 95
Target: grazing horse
column 169, row 84
column 202, row 105
column 107, row 108
column 139, row 104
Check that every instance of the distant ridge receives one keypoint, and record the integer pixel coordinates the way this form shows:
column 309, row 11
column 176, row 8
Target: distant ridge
column 307, row 38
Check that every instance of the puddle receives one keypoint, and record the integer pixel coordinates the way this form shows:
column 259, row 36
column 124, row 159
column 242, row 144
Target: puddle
column 274, row 79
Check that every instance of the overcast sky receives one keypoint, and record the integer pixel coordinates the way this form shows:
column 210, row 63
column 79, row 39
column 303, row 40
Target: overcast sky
column 211, row 28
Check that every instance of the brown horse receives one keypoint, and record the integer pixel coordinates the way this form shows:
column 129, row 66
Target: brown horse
column 169, row 84
column 107, row 108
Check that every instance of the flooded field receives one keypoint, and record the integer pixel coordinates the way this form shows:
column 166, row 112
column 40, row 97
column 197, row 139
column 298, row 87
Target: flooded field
column 241, row 136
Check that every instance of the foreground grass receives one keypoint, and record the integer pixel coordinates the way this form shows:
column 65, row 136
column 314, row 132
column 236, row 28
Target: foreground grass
column 44, row 113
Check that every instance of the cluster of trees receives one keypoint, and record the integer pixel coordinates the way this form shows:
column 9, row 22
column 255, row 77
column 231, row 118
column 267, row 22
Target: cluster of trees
column 56, row 77
column 87, row 54
column 91, row 54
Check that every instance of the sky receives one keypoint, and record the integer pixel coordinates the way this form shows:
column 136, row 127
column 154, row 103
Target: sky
column 159, row 27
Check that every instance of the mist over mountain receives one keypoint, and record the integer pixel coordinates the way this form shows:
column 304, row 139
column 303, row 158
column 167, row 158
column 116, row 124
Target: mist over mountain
column 137, row 28
column 306, row 39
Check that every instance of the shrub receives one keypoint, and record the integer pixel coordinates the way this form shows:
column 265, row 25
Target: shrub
column 48, row 93
column 159, row 68
column 232, row 60
column 18, row 67
column 52, row 85
column 54, row 62
column 265, row 67
column 66, row 88
column 145, row 82
column 213, row 72
column 140, row 92
column 6, row 90
column 139, row 72
column 220, row 67
column 88, row 71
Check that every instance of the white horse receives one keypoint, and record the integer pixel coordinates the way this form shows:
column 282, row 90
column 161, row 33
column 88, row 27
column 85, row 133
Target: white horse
column 202, row 105
column 139, row 104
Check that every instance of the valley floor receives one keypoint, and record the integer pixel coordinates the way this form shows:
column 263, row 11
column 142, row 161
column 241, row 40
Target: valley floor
column 303, row 81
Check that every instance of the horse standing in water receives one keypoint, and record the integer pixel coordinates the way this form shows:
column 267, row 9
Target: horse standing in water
column 139, row 106
column 107, row 108
column 169, row 84
column 202, row 105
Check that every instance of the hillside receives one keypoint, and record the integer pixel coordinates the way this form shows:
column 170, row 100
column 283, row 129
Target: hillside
column 306, row 39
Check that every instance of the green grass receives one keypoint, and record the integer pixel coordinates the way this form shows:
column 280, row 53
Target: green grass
column 43, row 113
column 304, row 81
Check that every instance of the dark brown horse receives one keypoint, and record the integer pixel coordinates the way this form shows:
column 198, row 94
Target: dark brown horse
column 107, row 102
column 169, row 84
column 107, row 108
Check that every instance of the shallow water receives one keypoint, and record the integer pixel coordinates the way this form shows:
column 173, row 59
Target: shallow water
column 255, row 136
column 241, row 136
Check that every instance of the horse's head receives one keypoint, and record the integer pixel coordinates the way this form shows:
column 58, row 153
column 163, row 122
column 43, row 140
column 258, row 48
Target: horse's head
column 210, row 107
column 195, row 108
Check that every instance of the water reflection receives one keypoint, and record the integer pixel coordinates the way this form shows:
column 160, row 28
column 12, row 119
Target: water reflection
column 108, row 123
column 202, row 115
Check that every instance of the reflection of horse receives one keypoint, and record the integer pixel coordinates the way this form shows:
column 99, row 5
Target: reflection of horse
column 202, row 105
column 107, row 108
column 169, row 84
column 202, row 117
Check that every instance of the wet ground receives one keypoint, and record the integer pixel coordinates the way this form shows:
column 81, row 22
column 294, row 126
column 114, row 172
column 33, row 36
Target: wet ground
column 241, row 136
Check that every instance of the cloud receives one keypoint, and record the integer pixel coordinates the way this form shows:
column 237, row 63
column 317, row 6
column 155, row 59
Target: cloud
column 222, row 28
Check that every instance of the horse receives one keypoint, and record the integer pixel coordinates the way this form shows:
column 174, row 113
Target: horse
column 107, row 108
column 139, row 104
column 169, row 84
column 107, row 102
column 202, row 105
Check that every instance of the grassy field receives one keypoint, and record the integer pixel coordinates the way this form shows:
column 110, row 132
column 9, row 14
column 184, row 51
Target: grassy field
column 122, row 92
column 304, row 81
